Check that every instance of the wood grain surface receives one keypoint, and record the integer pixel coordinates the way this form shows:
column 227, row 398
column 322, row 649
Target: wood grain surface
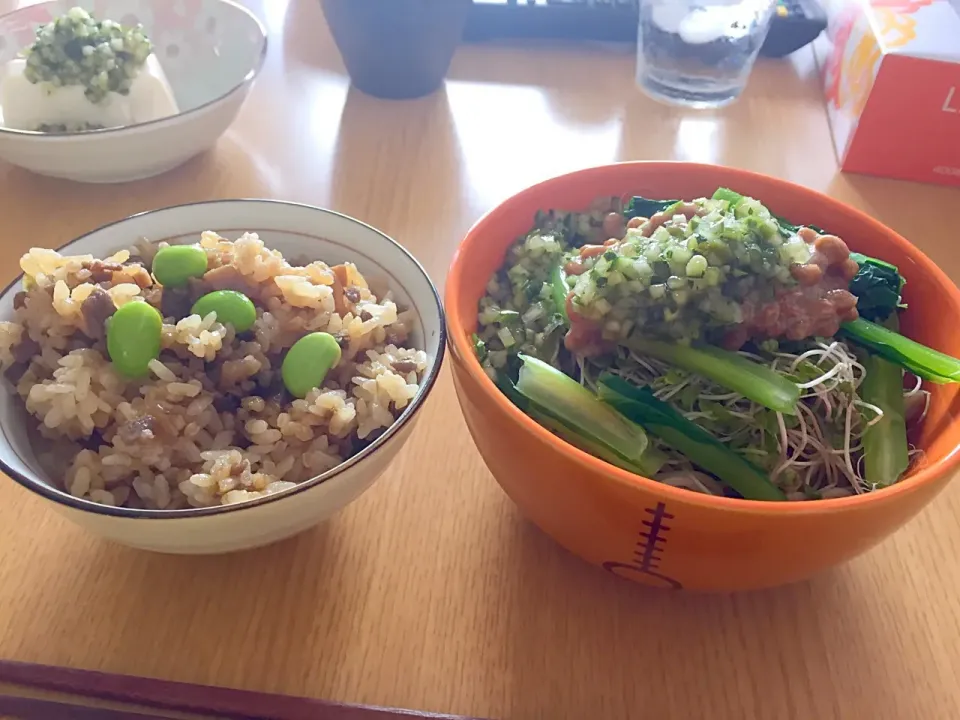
column 431, row 592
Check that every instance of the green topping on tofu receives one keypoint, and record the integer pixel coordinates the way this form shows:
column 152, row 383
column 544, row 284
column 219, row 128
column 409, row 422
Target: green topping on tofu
column 76, row 49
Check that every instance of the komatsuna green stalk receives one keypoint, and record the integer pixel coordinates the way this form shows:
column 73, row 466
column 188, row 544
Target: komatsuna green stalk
column 688, row 438
column 589, row 423
column 730, row 370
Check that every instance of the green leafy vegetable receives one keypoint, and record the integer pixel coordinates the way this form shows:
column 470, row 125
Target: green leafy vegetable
column 885, row 451
column 480, row 347
column 922, row 361
column 732, row 371
column 559, row 290
column 576, row 414
column 878, row 286
column 787, row 228
column 645, row 207
column 508, row 317
column 695, row 443
column 731, row 196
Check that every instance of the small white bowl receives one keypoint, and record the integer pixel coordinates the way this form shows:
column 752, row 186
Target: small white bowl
column 210, row 50
column 296, row 231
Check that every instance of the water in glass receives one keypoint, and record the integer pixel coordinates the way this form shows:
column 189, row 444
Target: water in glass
column 699, row 52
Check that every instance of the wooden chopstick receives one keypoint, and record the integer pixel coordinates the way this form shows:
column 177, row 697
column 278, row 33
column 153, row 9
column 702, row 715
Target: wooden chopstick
column 172, row 696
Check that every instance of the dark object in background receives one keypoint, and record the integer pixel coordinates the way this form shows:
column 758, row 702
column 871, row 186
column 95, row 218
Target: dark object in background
column 795, row 23
column 397, row 49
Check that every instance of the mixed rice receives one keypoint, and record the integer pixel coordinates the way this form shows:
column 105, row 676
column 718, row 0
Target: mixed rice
column 212, row 422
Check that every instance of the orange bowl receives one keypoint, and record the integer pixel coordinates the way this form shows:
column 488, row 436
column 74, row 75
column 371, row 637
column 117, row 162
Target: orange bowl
column 667, row 537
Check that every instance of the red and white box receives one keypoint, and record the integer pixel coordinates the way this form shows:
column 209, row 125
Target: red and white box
column 891, row 72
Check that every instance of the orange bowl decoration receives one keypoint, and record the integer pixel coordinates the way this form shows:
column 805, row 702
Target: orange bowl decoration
column 668, row 537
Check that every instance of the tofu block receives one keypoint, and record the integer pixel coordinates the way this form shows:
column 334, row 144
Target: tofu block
column 26, row 106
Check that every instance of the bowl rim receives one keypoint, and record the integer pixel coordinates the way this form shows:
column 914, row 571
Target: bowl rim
column 246, row 80
column 50, row 492
column 464, row 356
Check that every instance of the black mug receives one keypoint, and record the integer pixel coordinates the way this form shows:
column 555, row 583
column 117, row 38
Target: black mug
column 397, row 49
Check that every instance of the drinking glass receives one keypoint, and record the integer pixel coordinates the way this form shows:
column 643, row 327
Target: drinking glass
column 699, row 52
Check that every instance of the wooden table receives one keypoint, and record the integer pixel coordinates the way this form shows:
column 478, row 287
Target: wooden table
column 431, row 592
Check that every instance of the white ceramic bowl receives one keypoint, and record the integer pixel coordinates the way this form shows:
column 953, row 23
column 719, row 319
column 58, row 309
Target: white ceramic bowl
column 297, row 231
column 210, row 51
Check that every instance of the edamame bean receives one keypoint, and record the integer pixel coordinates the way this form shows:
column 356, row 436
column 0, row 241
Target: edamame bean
column 173, row 266
column 133, row 338
column 232, row 308
column 308, row 362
